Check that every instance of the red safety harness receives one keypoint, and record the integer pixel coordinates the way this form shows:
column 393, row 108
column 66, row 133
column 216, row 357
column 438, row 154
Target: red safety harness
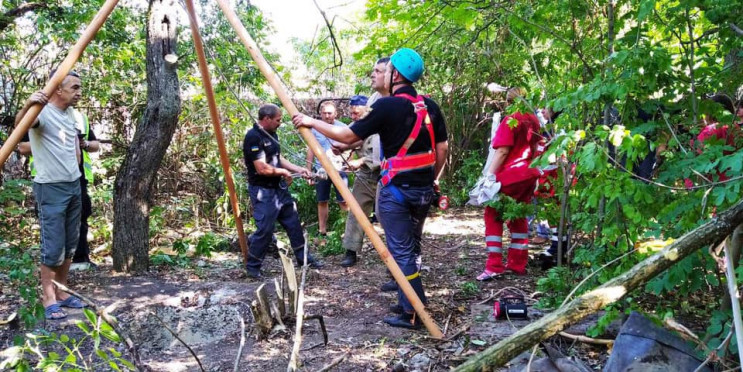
column 403, row 162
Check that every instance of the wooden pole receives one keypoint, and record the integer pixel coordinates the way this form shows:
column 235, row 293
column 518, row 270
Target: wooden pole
column 223, row 157
column 64, row 68
column 353, row 205
column 710, row 233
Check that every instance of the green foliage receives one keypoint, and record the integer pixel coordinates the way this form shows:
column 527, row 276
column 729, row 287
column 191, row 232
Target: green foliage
column 60, row 352
column 555, row 287
column 469, row 289
column 509, row 208
column 17, row 257
column 334, row 240
column 464, row 177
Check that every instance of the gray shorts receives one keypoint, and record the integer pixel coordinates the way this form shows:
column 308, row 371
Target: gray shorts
column 59, row 206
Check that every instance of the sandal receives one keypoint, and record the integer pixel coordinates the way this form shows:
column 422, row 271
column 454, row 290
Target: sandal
column 54, row 312
column 488, row 275
column 72, row 302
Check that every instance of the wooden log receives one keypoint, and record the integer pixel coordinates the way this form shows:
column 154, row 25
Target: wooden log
column 261, row 310
column 291, row 282
column 64, row 68
column 713, row 231
column 340, row 185
column 280, row 298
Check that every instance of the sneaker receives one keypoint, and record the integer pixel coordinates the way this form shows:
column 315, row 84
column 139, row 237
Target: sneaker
column 349, row 260
column 82, row 266
column 404, row 320
column 390, row 286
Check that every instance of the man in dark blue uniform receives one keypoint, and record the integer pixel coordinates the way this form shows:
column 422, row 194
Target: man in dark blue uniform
column 413, row 135
column 269, row 177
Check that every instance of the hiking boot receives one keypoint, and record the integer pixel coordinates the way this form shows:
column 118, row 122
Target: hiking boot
column 547, row 261
column 256, row 275
column 312, row 263
column 273, row 249
column 403, row 320
column 390, row 286
column 396, row 309
column 349, row 260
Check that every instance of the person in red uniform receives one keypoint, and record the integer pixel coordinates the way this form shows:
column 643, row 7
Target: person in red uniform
column 515, row 145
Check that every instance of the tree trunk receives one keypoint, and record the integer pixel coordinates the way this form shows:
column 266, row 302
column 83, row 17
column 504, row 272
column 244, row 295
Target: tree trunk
column 133, row 187
column 711, row 232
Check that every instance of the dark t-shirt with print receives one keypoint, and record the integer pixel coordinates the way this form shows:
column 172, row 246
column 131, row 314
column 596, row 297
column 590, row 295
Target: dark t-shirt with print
column 257, row 145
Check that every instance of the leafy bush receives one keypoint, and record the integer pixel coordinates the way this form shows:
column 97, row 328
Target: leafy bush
column 60, row 352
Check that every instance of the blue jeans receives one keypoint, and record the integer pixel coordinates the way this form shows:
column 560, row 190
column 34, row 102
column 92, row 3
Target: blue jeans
column 402, row 212
column 269, row 206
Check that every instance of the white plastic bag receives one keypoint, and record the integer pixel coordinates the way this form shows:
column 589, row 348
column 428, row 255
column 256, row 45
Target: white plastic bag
column 485, row 190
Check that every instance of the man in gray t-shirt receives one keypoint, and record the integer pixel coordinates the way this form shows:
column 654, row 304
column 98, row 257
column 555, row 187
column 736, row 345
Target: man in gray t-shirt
column 54, row 145
column 322, row 187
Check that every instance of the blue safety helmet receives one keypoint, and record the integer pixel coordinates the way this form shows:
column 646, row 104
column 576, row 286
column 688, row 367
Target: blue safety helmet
column 408, row 63
column 358, row 100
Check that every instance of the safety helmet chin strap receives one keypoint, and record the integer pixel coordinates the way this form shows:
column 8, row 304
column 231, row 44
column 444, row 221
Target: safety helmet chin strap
column 392, row 85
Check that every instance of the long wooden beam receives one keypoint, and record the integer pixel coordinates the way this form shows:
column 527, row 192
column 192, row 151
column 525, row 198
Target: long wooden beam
column 353, row 205
column 711, row 232
column 64, row 68
column 223, row 157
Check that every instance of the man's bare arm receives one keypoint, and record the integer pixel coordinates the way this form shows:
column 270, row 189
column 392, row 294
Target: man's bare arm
column 24, row 148
column 36, row 97
column 339, row 133
column 442, row 152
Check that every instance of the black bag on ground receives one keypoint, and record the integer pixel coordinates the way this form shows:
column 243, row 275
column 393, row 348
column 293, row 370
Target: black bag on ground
column 643, row 346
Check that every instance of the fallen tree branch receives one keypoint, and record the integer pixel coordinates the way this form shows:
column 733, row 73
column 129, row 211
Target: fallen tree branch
column 713, row 231
column 586, row 339
column 735, row 299
column 713, row 354
column 101, row 312
column 322, row 326
column 737, row 29
column 334, row 363
column 242, row 342
column 172, row 332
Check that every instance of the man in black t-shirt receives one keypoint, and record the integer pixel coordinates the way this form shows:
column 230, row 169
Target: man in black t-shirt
column 413, row 136
column 269, row 177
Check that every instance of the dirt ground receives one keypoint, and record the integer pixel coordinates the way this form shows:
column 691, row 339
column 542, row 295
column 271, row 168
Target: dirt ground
column 204, row 306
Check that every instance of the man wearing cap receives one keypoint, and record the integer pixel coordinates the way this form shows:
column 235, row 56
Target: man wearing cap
column 414, row 143
column 366, row 167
